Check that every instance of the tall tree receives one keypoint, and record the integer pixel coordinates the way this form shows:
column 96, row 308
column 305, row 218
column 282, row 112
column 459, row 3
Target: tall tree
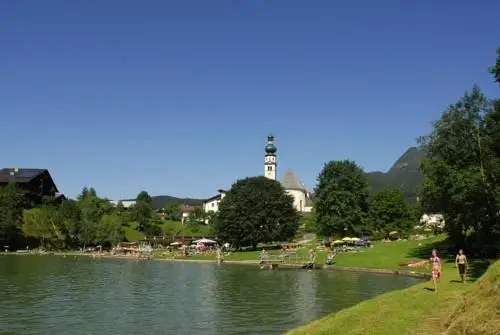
column 340, row 199
column 92, row 208
column 461, row 170
column 256, row 210
column 11, row 209
column 142, row 211
column 389, row 211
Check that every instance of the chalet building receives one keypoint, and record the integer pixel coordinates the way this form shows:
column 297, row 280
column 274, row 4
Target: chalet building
column 212, row 204
column 35, row 183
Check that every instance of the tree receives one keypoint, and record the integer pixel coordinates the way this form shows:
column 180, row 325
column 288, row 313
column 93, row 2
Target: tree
column 92, row 208
column 172, row 211
column 11, row 215
column 389, row 211
column 70, row 215
column 461, row 170
column 495, row 69
column 38, row 224
column 142, row 211
column 109, row 230
column 309, row 222
column 197, row 216
column 340, row 199
column 256, row 210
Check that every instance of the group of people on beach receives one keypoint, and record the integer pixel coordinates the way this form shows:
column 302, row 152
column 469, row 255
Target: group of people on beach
column 460, row 262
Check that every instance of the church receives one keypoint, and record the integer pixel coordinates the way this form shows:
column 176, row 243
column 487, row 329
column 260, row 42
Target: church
column 302, row 199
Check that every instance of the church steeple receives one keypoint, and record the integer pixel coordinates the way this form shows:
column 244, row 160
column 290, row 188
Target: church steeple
column 270, row 158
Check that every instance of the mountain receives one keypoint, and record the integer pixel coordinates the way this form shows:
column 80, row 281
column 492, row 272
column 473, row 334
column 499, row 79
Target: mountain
column 404, row 175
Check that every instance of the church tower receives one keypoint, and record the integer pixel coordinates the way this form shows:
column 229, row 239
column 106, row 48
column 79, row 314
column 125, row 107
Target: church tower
column 270, row 159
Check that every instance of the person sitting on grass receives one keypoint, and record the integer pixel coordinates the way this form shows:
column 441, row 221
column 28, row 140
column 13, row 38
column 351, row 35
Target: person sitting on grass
column 329, row 258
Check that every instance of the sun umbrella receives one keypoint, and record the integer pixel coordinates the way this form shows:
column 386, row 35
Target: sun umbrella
column 338, row 242
column 205, row 241
column 347, row 239
column 355, row 239
column 175, row 243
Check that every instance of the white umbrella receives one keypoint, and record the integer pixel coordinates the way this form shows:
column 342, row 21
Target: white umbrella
column 205, row 241
column 175, row 243
column 347, row 239
column 355, row 239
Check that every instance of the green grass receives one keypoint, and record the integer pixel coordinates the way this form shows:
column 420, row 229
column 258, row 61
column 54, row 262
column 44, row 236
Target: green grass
column 381, row 256
column 389, row 255
column 133, row 235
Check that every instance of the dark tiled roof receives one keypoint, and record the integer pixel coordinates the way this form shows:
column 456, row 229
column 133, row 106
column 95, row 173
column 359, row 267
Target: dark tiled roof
column 9, row 175
column 215, row 197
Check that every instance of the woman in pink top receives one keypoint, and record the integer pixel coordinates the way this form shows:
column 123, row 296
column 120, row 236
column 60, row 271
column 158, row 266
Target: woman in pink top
column 436, row 268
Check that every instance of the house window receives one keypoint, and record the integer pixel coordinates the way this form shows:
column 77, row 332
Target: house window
column 300, row 206
column 213, row 204
column 269, row 168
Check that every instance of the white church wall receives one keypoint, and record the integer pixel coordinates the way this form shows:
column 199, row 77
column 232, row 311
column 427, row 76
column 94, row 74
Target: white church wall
column 299, row 199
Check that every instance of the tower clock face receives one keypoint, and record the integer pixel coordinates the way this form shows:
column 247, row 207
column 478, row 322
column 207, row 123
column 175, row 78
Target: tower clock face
column 270, row 159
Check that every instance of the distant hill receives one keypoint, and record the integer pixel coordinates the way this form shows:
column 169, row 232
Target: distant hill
column 404, row 175
column 160, row 200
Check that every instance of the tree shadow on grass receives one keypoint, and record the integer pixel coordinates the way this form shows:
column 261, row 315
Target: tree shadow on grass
column 443, row 249
column 477, row 268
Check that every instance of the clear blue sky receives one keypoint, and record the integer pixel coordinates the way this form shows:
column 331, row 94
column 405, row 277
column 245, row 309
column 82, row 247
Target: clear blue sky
column 177, row 97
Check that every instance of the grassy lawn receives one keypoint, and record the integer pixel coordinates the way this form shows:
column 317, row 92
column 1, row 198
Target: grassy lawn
column 381, row 256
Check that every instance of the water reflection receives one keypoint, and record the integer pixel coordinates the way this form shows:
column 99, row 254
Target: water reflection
column 54, row 295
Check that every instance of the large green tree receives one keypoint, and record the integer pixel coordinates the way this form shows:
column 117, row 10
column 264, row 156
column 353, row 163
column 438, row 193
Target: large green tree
column 461, row 170
column 11, row 209
column 256, row 210
column 389, row 211
column 92, row 209
column 142, row 211
column 341, row 199
column 109, row 230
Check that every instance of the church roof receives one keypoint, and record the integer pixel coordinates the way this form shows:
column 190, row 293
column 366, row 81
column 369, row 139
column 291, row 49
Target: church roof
column 291, row 182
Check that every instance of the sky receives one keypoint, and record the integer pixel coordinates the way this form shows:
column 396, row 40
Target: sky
column 178, row 97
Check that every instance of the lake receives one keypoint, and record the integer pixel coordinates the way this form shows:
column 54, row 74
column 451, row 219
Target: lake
column 56, row 295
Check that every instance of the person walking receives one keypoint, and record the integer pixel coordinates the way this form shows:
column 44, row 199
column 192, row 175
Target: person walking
column 219, row 256
column 436, row 268
column 461, row 263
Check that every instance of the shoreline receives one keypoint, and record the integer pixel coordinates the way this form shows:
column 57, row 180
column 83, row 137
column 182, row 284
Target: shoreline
column 394, row 272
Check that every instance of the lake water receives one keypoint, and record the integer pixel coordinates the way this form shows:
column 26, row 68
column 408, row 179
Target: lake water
column 56, row 295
